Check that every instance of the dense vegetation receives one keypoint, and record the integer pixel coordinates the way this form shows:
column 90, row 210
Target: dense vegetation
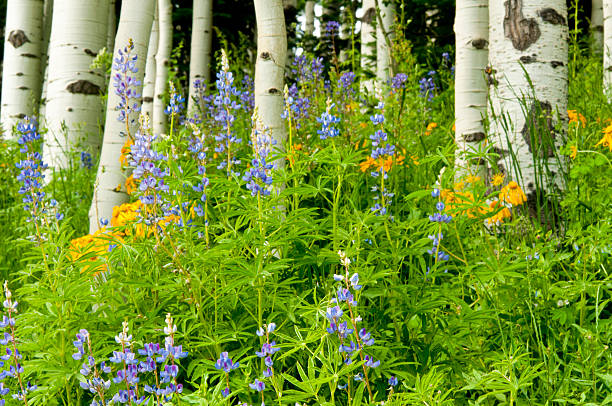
column 345, row 267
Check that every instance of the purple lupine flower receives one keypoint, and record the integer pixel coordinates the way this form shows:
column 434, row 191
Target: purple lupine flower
column 225, row 104
column 258, row 385
column 398, row 81
column 427, row 86
column 177, row 102
column 126, row 85
column 327, row 121
column 12, row 357
column 331, row 28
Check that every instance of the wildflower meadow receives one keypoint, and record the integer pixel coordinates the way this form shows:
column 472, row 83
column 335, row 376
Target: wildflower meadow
column 348, row 265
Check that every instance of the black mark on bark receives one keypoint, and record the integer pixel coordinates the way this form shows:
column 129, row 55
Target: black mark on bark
column 83, row 87
column 147, row 99
column 90, row 52
column 522, row 31
column 538, row 131
column 479, row 43
column 273, row 90
column 266, row 56
column 556, row 64
column 474, row 137
column 17, row 38
column 369, row 16
column 528, row 59
column 29, row 56
column 550, row 15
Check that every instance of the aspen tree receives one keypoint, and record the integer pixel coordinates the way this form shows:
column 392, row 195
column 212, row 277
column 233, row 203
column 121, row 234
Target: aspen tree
column 270, row 68
column 73, row 113
column 201, row 47
column 21, row 76
column 529, row 38
column 384, row 37
column 162, row 61
column 596, row 24
column 135, row 23
column 472, row 53
column 607, row 48
column 148, row 86
column 368, row 44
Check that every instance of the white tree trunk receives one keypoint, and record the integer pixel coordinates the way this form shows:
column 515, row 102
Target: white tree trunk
column 162, row 60
column 309, row 17
column 74, row 112
column 607, row 48
column 525, row 36
column 44, row 58
column 270, row 68
column 201, row 47
column 21, row 76
column 384, row 36
column 148, row 87
column 472, row 53
column 112, row 26
column 135, row 22
column 597, row 26
column 368, row 43
column 345, row 33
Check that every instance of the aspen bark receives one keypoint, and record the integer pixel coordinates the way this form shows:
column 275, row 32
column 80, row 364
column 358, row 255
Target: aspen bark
column 596, row 24
column 21, row 76
column 270, row 68
column 607, row 48
column 368, row 44
column 384, row 36
column 135, row 22
column 162, row 61
column 44, row 54
column 528, row 38
column 309, row 17
column 148, row 86
column 112, row 26
column 201, row 47
column 472, row 53
column 74, row 113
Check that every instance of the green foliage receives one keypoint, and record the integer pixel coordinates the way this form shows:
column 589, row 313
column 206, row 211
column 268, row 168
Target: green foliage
column 516, row 315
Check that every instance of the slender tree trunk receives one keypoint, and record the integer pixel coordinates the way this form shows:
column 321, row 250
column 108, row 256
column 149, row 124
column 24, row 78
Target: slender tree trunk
column 597, row 26
column 201, row 47
column 162, row 61
column 368, row 44
column 74, row 113
column 472, row 53
column 384, row 36
column 148, row 89
column 135, row 22
column 112, row 26
column 527, row 38
column 270, row 68
column 607, row 48
column 309, row 17
column 290, row 13
column 44, row 60
column 21, row 76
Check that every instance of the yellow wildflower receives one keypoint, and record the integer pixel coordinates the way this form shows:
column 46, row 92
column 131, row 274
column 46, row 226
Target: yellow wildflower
column 606, row 141
column 499, row 215
column 125, row 150
column 573, row 151
column 577, row 118
column 498, row 179
column 512, row 194
column 130, row 184
column 430, row 128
